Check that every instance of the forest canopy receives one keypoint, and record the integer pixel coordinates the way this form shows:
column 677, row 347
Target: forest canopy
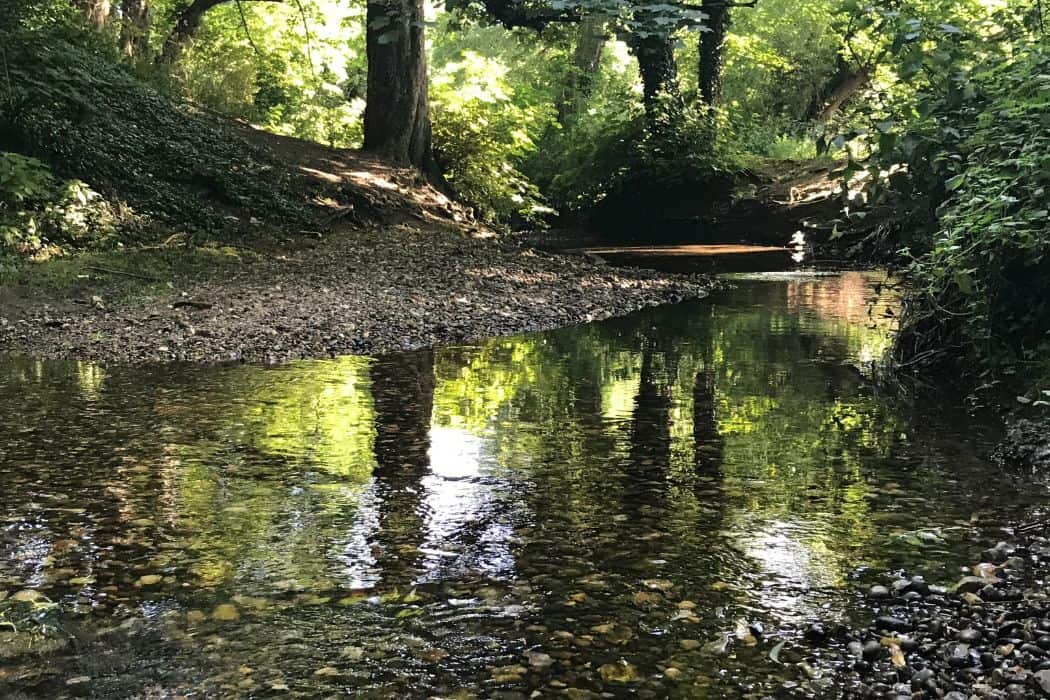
column 540, row 106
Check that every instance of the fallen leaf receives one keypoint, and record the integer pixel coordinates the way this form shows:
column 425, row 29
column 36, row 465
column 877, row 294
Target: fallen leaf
column 897, row 656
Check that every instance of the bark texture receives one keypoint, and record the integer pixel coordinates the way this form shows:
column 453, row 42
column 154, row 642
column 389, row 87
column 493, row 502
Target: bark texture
column 712, row 51
column 397, row 111
column 659, row 71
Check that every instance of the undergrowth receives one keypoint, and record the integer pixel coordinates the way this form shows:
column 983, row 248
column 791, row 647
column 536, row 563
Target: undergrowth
column 981, row 295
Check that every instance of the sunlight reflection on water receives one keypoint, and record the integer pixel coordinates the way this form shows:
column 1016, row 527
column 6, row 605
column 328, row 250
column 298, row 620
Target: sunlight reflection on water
column 595, row 493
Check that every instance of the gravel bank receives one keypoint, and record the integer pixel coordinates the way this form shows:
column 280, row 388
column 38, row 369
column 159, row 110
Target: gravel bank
column 987, row 637
column 364, row 292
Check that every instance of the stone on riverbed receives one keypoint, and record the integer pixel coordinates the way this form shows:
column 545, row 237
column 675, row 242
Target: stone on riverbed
column 972, row 584
column 879, row 592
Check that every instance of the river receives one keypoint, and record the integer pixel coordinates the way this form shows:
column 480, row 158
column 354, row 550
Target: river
column 643, row 506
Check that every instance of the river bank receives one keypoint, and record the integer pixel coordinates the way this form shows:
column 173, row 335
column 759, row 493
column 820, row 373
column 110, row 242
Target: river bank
column 368, row 290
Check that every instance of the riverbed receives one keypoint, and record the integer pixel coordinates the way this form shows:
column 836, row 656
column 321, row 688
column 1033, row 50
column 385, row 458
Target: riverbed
column 651, row 505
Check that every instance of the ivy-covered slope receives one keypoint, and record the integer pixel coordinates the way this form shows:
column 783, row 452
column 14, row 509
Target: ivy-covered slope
column 91, row 118
column 108, row 139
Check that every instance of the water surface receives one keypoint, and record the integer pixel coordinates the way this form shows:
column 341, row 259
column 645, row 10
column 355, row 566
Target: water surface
column 568, row 512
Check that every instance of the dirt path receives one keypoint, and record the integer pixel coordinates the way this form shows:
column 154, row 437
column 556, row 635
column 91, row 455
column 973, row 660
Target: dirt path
column 366, row 291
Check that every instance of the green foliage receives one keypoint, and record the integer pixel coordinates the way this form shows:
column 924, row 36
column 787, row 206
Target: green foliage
column 491, row 105
column 40, row 212
column 577, row 163
column 302, row 80
column 983, row 290
column 775, row 70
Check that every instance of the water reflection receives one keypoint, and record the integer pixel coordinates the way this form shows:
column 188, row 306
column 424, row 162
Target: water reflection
column 413, row 524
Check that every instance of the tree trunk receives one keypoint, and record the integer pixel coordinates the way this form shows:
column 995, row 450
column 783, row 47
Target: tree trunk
column 645, row 478
column 403, row 399
column 397, row 111
column 96, row 12
column 847, row 86
column 707, row 441
column 659, row 71
column 712, row 51
column 590, row 42
column 135, row 22
column 185, row 27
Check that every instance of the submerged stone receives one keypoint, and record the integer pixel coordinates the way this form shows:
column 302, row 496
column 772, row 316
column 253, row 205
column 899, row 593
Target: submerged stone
column 226, row 612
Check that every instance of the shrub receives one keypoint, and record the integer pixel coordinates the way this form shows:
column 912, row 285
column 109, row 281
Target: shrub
column 983, row 290
column 39, row 212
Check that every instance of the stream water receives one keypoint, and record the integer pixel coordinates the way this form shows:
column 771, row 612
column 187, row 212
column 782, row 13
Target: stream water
column 644, row 506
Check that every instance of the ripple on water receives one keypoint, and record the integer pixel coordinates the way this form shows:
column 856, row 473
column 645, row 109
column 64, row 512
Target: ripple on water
column 641, row 503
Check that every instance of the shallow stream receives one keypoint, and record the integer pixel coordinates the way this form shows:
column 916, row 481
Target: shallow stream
column 644, row 506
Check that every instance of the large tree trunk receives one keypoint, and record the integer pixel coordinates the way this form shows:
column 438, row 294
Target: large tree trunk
column 712, row 51
column 96, row 12
column 590, row 42
column 659, row 71
column 645, row 480
column 403, row 398
column 397, row 110
column 135, row 22
column 707, row 441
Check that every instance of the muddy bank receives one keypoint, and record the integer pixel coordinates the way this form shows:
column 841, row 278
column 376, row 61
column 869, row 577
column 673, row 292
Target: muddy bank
column 367, row 291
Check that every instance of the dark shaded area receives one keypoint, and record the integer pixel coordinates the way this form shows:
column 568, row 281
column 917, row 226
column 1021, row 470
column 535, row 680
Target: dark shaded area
column 403, row 397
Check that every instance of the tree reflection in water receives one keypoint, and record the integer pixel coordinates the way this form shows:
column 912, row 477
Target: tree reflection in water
column 731, row 455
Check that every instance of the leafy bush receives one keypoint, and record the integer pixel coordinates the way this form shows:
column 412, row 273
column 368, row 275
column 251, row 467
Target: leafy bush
column 491, row 103
column 294, row 79
column 39, row 212
column 576, row 163
column 983, row 290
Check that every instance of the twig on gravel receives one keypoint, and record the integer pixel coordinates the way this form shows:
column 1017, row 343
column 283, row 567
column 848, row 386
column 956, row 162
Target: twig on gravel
column 121, row 272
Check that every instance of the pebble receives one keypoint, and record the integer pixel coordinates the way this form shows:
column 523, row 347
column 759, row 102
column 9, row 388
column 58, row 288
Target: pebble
column 226, row 612
column 879, row 592
column 987, row 639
